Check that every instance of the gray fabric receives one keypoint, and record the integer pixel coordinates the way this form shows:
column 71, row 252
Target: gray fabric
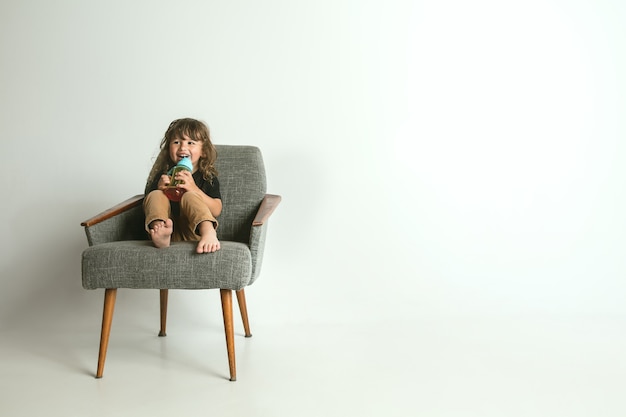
column 125, row 226
column 120, row 256
column 138, row 264
column 242, row 183
column 257, row 245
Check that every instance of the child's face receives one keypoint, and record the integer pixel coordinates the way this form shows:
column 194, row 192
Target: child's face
column 185, row 146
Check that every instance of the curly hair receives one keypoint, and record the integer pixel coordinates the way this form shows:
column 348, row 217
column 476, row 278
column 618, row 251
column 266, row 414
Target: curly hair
column 195, row 130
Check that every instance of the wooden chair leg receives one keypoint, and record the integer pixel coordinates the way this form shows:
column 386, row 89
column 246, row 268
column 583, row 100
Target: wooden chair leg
column 227, row 312
column 163, row 303
column 107, row 318
column 243, row 309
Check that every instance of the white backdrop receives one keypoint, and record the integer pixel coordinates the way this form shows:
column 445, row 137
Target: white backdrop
column 434, row 157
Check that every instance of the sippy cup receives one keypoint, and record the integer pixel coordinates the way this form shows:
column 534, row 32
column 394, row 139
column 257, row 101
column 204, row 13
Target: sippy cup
column 172, row 192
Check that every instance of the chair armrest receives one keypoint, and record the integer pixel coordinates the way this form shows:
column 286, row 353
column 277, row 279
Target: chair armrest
column 259, row 230
column 268, row 205
column 114, row 211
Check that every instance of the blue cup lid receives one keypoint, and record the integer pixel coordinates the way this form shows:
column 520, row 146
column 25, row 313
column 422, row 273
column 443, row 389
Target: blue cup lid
column 186, row 162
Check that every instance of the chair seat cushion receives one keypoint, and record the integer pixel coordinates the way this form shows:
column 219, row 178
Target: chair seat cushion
column 138, row 264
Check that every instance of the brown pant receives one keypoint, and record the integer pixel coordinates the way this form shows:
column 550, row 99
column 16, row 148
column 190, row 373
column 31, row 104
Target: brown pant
column 193, row 211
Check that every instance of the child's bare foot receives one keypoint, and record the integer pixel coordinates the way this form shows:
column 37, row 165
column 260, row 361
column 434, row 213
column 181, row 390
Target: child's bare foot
column 208, row 238
column 161, row 232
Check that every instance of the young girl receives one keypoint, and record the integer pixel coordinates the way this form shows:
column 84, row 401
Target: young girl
column 194, row 217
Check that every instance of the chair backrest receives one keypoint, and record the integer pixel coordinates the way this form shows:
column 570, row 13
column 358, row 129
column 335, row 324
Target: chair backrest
column 241, row 174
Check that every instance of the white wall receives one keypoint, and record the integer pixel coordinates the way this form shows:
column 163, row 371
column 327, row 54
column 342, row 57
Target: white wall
column 435, row 157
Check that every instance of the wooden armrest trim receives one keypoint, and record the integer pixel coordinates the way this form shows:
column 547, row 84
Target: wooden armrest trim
column 114, row 211
column 268, row 205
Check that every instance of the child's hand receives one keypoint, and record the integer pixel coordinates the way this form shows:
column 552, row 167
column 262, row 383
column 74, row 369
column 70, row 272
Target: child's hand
column 164, row 182
column 188, row 184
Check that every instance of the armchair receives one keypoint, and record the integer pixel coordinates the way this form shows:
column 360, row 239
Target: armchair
column 120, row 254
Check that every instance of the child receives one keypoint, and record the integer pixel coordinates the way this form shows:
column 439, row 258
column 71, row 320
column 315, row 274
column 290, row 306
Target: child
column 194, row 217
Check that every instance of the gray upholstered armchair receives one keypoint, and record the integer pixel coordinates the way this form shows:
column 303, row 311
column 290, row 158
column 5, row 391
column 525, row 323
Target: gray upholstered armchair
column 120, row 254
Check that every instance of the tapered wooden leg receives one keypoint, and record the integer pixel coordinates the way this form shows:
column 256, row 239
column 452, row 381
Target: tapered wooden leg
column 163, row 304
column 107, row 318
column 227, row 311
column 243, row 309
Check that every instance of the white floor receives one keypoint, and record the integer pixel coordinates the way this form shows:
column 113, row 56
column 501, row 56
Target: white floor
column 524, row 366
